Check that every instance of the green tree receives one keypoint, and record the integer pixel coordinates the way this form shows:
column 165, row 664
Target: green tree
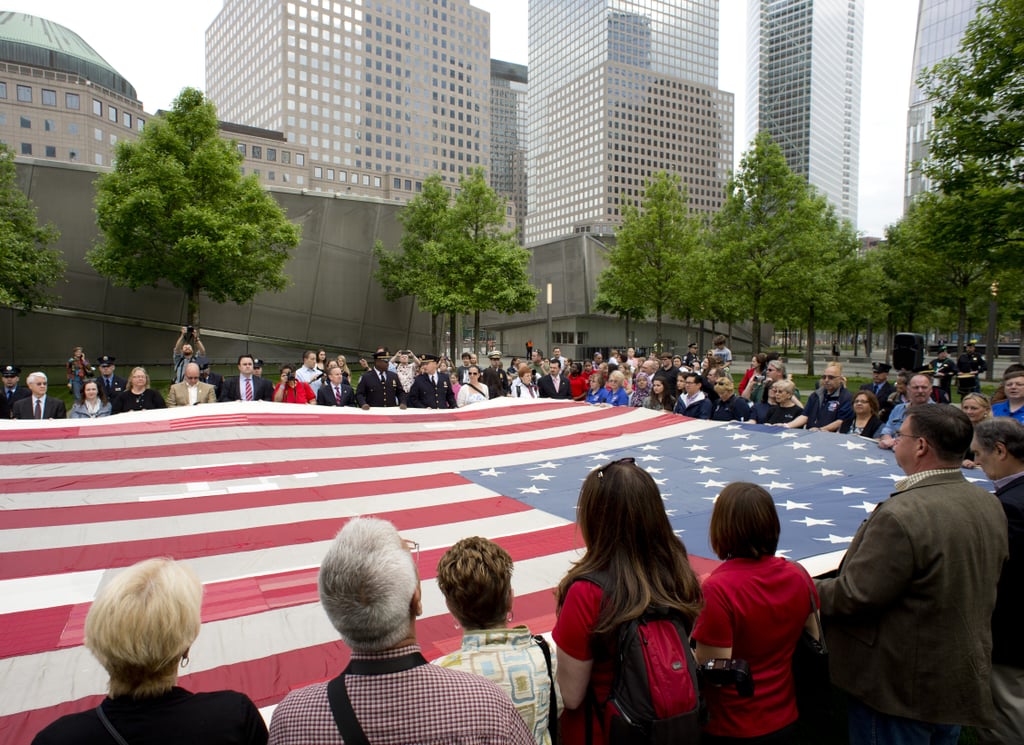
column 976, row 149
column 177, row 208
column 457, row 257
column 28, row 268
column 769, row 238
column 647, row 264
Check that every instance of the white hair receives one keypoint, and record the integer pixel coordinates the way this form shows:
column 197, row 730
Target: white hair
column 35, row 376
column 367, row 582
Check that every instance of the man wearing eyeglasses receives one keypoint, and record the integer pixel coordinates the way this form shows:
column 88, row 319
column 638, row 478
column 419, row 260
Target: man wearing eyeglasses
column 370, row 590
column 908, row 618
column 192, row 391
column 828, row 406
column 919, row 391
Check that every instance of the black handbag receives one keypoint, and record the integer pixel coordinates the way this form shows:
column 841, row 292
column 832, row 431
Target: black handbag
column 811, row 677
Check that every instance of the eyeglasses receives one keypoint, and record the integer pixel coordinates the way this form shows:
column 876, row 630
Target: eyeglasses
column 191, row 377
column 620, row 461
column 829, row 377
column 901, row 434
column 473, row 373
column 413, row 548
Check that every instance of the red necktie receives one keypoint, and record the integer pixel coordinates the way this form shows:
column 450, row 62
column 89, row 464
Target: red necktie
column 39, row 408
column 337, row 396
column 248, row 389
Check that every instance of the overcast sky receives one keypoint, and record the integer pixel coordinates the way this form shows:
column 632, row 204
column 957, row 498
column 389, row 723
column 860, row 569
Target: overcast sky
column 159, row 48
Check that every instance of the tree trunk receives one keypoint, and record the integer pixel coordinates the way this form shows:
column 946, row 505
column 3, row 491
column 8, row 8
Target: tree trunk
column 867, row 340
column 961, row 324
column 628, row 345
column 755, row 326
column 810, row 340
column 659, row 343
column 193, row 306
column 452, row 354
column 476, row 332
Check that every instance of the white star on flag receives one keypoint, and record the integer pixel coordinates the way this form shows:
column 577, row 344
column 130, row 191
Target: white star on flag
column 835, row 539
column 852, row 445
column 847, row 490
column 868, row 507
column 712, row 484
column 707, row 469
column 799, row 445
column 531, row 490
column 791, row 505
column 491, row 472
column 810, row 522
column 762, row 471
column 813, row 459
column 541, row 477
column 827, row 472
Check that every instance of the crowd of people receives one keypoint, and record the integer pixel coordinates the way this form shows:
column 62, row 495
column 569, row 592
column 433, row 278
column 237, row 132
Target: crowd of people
column 920, row 619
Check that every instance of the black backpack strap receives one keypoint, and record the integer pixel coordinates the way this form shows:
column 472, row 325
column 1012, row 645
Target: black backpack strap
column 553, row 707
column 337, row 695
column 344, row 716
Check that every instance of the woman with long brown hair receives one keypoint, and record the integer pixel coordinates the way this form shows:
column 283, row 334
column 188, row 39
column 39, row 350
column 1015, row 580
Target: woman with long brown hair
column 637, row 561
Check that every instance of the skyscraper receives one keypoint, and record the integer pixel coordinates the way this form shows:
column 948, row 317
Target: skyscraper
column 619, row 90
column 382, row 93
column 508, row 136
column 804, row 60
column 940, row 26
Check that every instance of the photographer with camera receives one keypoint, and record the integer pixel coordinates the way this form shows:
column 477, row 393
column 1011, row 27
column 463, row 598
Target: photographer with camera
column 185, row 351
column 756, row 605
column 291, row 390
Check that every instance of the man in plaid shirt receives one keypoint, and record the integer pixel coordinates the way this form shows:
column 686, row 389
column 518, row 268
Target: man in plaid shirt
column 369, row 587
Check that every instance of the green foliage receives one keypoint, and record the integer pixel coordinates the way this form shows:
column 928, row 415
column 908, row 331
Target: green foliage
column 647, row 265
column 976, row 151
column 778, row 246
column 176, row 208
column 28, row 269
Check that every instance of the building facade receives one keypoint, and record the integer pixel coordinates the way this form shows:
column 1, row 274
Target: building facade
column 381, row 93
column 804, row 77
column 940, row 27
column 619, row 90
column 508, row 138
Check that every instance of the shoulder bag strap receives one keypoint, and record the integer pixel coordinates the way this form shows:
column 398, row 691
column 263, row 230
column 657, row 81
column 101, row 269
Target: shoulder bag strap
column 553, row 707
column 344, row 716
column 109, row 727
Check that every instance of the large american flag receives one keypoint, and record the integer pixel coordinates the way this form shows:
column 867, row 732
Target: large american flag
column 251, row 494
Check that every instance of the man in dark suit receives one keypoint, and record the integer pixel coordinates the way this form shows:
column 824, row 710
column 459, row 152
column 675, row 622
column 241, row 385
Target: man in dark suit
column 554, row 384
column 378, row 386
column 880, row 384
column 39, row 405
column 112, row 384
column 999, row 450
column 431, row 389
column 247, row 386
column 12, row 391
column 206, row 375
column 335, row 391
column 909, row 617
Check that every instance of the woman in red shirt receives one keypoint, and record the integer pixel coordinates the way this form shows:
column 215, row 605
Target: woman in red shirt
column 756, row 606
column 630, row 543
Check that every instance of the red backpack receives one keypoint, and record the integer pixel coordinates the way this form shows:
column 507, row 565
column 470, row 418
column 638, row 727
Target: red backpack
column 655, row 696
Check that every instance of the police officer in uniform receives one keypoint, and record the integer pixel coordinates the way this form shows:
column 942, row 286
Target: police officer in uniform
column 379, row 387
column 11, row 390
column 495, row 377
column 114, row 385
column 431, row 389
column 971, row 362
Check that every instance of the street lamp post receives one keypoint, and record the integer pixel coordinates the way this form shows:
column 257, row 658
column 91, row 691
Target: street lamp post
column 549, row 345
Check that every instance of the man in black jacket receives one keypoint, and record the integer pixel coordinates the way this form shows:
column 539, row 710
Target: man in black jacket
column 554, row 384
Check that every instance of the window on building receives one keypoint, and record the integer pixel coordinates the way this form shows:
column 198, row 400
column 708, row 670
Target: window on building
column 376, row 181
column 271, row 154
column 26, row 148
column 318, row 172
column 257, row 152
column 51, row 151
column 3, row 90
column 49, row 97
column 25, row 93
column 270, row 175
column 241, row 148
column 286, row 156
column 98, row 159
column 26, row 123
column 112, row 114
column 139, row 123
column 72, row 101
column 73, row 155
column 300, row 159
column 72, row 128
column 97, row 107
column 126, row 119
column 49, row 125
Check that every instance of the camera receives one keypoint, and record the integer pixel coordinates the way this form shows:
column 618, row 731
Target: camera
column 290, row 377
column 190, row 330
column 758, row 378
column 722, row 672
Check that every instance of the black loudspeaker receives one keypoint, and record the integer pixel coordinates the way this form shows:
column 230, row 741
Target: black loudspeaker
column 908, row 352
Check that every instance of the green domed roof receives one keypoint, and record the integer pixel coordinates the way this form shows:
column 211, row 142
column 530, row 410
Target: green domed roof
column 37, row 42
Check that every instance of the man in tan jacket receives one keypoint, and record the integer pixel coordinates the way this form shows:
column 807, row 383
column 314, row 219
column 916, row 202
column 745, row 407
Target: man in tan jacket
column 192, row 391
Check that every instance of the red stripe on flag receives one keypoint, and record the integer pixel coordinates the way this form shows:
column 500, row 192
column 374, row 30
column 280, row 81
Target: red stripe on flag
column 38, row 562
